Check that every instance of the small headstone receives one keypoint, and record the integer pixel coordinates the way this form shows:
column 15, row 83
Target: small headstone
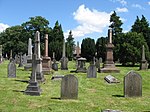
column 111, row 79
column 132, row 85
column 69, row 87
column 21, row 61
column 92, row 72
column 11, row 69
column 24, row 59
column 55, row 66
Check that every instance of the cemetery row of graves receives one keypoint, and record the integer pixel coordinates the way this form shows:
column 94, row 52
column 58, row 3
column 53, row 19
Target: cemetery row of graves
column 89, row 87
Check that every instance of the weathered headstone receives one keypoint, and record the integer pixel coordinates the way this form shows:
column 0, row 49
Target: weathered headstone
column 69, row 87
column 111, row 79
column 64, row 59
column 109, row 65
column 81, row 65
column 28, row 66
column 21, row 61
column 17, row 59
column 24, row 59
column 33, row 88
column 11, row 69
column 92, row 71
column 37, row 51
column 46, row 60
column 132, row 85
column 143, row 64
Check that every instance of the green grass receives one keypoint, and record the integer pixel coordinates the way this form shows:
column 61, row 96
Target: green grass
column 94, row 94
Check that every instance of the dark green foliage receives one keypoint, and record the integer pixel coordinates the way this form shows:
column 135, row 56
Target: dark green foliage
column 70, row 46
column 115, row 23
column 88, row 49
column 129, row 48
column 101, row 47
column 14, row 38
column 56, row 38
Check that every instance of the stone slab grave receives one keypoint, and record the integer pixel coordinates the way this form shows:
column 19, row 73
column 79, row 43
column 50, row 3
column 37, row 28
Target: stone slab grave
column 11, row 69
column 111, row 79
column 92, row 71
column 132, row 85
column 69, row 87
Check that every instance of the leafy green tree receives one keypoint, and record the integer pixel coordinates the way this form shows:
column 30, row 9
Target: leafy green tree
column 130, row 48
column 56, row 38
column 14, row 38
column 70, row 45
column 88, row 49
column 101, row 47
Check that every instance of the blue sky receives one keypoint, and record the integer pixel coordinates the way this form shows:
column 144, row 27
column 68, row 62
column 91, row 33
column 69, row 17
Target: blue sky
column 86, row 18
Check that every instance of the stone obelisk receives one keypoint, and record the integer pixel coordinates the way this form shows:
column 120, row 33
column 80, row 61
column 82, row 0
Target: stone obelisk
column 28, row 66
column 37, row 51
column 143, row 64
column 64, row 59
column 109, row 65
column 46, row 62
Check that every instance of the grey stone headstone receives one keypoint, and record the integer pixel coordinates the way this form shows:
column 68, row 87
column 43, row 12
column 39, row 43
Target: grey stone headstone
column 111, row 79
column 132, row 85
column 11, row 69
column 55, row 66
column 21, row 61
column 92, row 71
column 24, row 59
column 69, row 87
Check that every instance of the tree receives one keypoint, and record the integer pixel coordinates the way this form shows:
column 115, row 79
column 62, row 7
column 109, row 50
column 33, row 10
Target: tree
column 14, row 38
column 142, row 26
column 56, row 38
column 101, row 47
column 70, row 46
column 88, row 49
column 130, row 48
column 115, row 23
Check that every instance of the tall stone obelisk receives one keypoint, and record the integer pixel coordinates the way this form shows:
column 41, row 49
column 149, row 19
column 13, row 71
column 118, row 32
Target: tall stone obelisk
column 109, row 65
column 28, row 66
column 64, row 59
column 46, row 62
column 143, row 64
column 37, row 51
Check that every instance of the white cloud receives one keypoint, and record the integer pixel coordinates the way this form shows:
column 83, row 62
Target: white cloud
column 137, row 6
column 3, row 26
column 123, row 2
column 121, row 9
column 89, row 21
column 149, row 3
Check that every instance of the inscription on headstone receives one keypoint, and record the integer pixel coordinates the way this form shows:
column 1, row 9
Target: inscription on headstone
column 69, row 87
column 132, row 85
column 11, row 69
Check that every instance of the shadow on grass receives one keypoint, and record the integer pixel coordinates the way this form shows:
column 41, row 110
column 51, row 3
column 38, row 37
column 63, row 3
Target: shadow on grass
column 18, row 91
column 55, row 98
column 118, row 95
column 25, row 81
column 127, row 65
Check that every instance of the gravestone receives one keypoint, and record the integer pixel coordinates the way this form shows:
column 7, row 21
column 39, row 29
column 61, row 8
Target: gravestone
column 24, row 59
column 97, row 64
column 46, row 60
column 64, row 59
column 55, row 66
column 143, row 64
column 33, row 88
column 28, row 66
column 109, row 65
column 20, row 60
column 111, row 79
column 11, row 69
column 81, row 65
column 69, row 87
column 92, row 71
column 37, row 51
column 132, row 85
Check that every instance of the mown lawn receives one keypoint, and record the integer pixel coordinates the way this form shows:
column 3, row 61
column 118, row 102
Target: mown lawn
column 94, row 94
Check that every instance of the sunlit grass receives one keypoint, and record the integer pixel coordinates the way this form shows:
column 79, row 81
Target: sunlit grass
column 94, row 94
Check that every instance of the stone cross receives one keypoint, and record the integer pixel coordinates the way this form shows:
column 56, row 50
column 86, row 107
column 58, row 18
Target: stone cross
column 69, row 87
column 132, row 85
